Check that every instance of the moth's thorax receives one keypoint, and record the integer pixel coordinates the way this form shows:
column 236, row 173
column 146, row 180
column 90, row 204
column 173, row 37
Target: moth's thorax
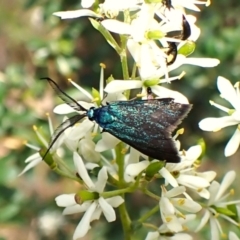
column 100, row 115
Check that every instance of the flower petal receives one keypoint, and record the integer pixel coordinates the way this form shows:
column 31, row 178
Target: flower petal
column 115, row 201
column 168, row 177
column 122, row 85
column 34, row 161
column 228, row 92
column 102, row 180
column 80, row 130
column 204, row 193
column 140, row 53
column 108, row 141
column 186, row 204
column 84, row 225
column 65, row 200
column 76, row 14
column 82, row 171
column 166, row 207
column 135, row 168
column 86, row 148
column 87, row 3
column 175, row 191
column 167, row 93
column 226, row 182
column 77, row 208
column 204, row 221
column 63, row 109
column 116, row 26
column 107, row 209
column 192, row 181
column 97, row 214
column 208, row 175
column 214, row 228
column 233, row 236
column 215, row 124
column 194, row 152
column 233, row 144
column 152, row 236
column 213, row 189
column 202, row 62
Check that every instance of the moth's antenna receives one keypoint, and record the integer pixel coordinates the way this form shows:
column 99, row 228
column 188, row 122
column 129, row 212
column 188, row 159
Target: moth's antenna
column 65, row 97
column 61, row 128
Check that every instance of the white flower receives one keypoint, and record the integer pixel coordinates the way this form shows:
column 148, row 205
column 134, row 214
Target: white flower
column 92, row 208
column 82, row 130
column 177, row 236
column 87, row 3
column 110, row 9
column 169, row 208
column 184, row 173
column 76, row 14
column 35, row 159
column 117, row 86
column 190, row 4
column 214, row 124
column 50, row 221
column 218, row 200
column 146, row 53
column 163, row 231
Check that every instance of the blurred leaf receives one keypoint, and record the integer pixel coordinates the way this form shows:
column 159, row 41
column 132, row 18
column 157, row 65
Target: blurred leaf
column 8, row 212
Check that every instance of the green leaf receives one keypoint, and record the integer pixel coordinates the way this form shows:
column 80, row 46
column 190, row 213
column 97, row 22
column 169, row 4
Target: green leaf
column 8, row 212
column 107, row 35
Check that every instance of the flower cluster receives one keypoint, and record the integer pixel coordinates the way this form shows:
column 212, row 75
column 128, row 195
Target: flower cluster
column 231, row 94
column 160, row 37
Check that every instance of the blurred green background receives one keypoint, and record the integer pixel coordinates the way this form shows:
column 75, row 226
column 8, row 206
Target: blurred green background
column 35, row 44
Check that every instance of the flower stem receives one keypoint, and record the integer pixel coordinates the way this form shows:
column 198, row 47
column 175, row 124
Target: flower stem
column 64, row 174
column 124, row 62
column 120, row 163
column 118, row 192
column 126, row 222
column 150, row 194
column 149, row 214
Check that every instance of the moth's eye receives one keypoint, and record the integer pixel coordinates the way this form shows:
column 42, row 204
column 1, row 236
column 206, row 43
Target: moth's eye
column 90, row 113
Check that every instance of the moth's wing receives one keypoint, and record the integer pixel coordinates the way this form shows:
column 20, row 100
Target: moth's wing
column 157, row 146
column 147, row 125
column 149, row 115
column 167, row 113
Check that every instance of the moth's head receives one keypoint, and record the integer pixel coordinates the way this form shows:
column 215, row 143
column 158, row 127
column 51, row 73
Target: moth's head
column 90, row 114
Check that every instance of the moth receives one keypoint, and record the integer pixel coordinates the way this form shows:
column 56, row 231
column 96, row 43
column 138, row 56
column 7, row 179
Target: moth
column 145, row 125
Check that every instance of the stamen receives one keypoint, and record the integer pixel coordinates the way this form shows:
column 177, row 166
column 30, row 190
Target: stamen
column 225, row 109
column 40, row 137
column 82, row 90
column 179, row 132
column 101, row 82
column 50, row 124
column 172, row 78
